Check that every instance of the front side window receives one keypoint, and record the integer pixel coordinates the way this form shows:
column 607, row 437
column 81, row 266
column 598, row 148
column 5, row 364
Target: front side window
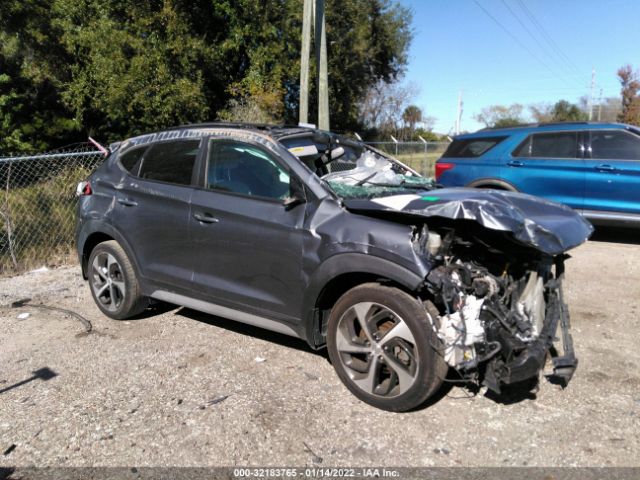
column 549, row 145
column 615, row 145
column 238, row 167
column 170, row 162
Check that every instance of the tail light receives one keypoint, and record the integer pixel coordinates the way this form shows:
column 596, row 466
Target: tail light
column 442, row 167
column 83, row 188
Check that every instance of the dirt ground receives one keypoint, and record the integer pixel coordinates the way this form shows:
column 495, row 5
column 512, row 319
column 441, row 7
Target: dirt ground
column 179, row 388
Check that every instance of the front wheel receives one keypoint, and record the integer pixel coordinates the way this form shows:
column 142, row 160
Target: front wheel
column 113, row 282
column 384, row 349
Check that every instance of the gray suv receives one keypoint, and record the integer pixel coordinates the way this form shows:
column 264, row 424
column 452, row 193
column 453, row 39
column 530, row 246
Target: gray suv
column 317, row 236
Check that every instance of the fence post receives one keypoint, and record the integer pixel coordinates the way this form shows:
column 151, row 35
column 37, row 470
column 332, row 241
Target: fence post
column 7, row 220
column 425, row 160
column 396, row 142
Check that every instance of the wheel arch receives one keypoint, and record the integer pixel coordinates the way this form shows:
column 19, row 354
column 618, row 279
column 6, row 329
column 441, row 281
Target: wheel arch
column 341, row 273
column 494, row 183
column 92, row 234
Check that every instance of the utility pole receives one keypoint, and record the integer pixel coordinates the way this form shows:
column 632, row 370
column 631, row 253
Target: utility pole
column 459, row 112
column 600, row 107
column 307, row 20
column 313, row 14
column 593, row 86
column 321, row 62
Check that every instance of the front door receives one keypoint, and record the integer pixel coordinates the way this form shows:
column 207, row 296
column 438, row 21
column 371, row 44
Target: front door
column 247, row 244
column 613, row 172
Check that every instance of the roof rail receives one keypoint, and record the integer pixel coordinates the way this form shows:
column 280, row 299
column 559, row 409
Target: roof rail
column 542, row 124
column 257, row 126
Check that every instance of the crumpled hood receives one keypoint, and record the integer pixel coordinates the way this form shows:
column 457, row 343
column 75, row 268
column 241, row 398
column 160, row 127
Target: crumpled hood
column 547, row 226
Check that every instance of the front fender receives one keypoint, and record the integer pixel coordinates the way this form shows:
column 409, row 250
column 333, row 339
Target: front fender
column 350, row 263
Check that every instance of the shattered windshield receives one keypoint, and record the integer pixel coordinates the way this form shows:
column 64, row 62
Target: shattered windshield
column 354, row 170
column 372, row 175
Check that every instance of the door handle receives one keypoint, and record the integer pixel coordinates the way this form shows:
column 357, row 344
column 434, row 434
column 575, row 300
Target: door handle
column 127, row 202
column 515, row 163
column 205, row 218
column 605, row 168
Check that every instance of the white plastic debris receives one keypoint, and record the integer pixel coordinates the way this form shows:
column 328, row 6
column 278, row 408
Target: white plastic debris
column 260, row 359
column 24, row 316
column 461, row 330
column 39, row 270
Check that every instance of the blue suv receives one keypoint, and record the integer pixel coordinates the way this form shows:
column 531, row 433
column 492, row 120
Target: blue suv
column 591, row 167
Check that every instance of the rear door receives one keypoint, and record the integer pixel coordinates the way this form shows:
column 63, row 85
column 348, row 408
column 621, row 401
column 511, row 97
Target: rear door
column 613, row 172
column 152, row 209
column 247, row 244
column 549, row 165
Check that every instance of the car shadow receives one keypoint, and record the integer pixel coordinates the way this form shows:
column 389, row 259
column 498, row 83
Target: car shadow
column 250, row 330
column 515, row 393
column 616, row 235
column 156, row 308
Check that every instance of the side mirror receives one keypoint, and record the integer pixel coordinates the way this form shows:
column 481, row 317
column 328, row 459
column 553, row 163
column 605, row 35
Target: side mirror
column 296, row 194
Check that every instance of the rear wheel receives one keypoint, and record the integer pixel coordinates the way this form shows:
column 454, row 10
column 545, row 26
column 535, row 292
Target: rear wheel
column 113, row 282
column 383, row 347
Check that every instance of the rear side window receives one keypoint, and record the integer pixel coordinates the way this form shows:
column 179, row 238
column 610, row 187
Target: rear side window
column 615, row 145
column 472, row 147
column 170, row 162
column 549, row 145
column 131, row 160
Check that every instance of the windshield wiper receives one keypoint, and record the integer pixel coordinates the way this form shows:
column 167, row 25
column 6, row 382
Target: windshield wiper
column 366, row 179
column 403, row 184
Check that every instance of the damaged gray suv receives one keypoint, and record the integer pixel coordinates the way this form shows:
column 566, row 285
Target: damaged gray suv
column 320, row 237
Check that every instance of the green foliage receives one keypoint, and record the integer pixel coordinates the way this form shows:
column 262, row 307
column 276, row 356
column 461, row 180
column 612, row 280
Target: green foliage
column 630, row 86
column 564, row 111
column 411, row 116
column 69, row 68
column 499, row 116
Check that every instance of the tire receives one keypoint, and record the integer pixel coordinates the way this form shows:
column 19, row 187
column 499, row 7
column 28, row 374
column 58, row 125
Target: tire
column 113, row 282
column 394, row 372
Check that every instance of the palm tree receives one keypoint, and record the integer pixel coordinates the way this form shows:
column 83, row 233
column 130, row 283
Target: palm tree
column 411, row 116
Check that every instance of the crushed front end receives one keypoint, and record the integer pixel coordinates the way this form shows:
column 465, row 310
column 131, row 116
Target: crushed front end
column 496, row 306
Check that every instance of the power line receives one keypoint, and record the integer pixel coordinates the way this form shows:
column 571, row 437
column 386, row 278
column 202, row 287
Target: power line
column 517, row 40
column 552, row 43
column 562, row 62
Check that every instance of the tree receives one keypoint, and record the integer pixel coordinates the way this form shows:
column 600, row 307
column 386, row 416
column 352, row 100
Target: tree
column 381, row 110
column 541, row 112
column 630, row 85
column 497, row 116
column 564, row 111
column 113, row 69
column 411, row 116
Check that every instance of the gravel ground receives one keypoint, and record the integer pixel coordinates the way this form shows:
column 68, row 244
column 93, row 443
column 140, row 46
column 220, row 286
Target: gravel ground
column 179, row 388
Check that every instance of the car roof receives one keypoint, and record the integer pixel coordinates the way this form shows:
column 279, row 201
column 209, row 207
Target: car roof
column 272, row 130
column 543, row 127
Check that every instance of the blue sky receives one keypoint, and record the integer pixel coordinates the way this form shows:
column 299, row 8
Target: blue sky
column 457, row 46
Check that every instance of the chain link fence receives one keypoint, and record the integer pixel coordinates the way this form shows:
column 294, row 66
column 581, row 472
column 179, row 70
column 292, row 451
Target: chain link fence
column 37, row 202
column 37, row 205
column 421, row 156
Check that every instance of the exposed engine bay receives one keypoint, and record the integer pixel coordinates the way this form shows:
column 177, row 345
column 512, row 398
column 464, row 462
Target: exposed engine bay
column 496, row 312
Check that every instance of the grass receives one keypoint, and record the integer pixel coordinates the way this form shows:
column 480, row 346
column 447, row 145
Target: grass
column 422, row 163
column 42, row 217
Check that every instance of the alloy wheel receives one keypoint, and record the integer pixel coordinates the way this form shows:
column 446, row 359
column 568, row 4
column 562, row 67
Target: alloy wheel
column 377, row 350
column 107, row 281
